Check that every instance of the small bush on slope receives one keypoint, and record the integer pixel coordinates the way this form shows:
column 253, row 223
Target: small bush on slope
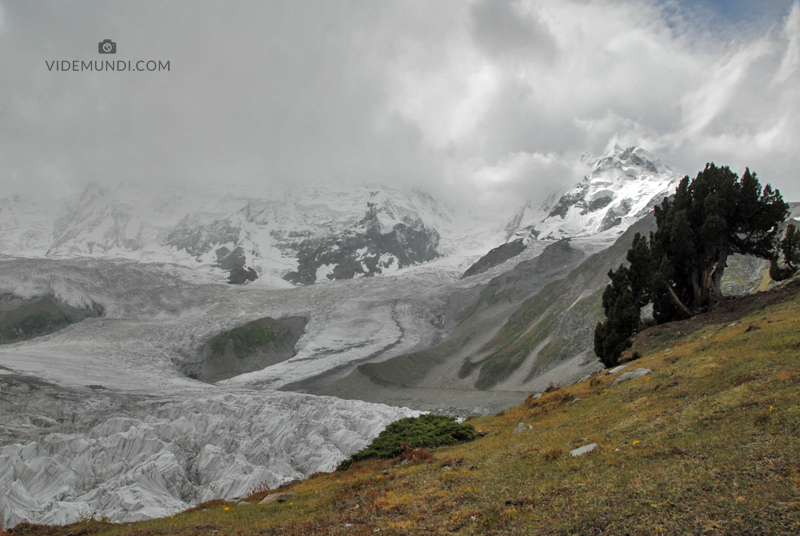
column 411, row 433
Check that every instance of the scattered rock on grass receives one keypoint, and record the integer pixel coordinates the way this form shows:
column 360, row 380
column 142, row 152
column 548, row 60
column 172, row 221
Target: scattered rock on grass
column 617, row 369
column 521, row 427
column 583, row 450
column 638, row 373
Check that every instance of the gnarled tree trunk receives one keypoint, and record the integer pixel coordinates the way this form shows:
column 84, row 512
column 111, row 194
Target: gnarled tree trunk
column 715, row 289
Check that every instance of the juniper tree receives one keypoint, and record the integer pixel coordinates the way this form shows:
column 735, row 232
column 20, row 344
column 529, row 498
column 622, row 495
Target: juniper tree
column 709, row 218
column 679, row 269
column 623, row 299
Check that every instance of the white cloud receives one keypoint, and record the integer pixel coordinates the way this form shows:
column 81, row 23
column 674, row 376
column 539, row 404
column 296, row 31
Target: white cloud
column 791, row 57
column 703, row 105
column 489, row 100
column 520, row 176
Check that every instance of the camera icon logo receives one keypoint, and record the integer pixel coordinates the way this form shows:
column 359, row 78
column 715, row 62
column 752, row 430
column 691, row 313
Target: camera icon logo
column 107, row 46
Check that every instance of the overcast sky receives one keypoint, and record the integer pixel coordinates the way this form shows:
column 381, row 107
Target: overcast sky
column 482, row 100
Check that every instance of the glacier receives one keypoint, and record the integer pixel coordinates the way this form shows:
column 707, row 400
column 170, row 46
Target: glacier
column 79, row 452
column 98, row 420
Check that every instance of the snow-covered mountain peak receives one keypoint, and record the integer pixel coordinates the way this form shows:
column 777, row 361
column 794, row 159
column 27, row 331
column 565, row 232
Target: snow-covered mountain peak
column 632, row 158
column 622, row 186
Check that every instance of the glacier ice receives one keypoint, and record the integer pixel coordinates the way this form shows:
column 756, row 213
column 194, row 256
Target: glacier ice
column 133, row 457
column 97, row 419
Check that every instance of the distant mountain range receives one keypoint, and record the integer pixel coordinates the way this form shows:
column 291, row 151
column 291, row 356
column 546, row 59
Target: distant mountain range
column 322, row 233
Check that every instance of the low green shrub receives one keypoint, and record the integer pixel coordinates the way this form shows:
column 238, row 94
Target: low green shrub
column 411, row 433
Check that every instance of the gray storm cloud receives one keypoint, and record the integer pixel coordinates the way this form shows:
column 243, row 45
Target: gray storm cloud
column 488, row 101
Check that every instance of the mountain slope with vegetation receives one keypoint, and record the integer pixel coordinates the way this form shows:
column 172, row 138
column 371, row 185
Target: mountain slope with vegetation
column 537, row 318
column 706, row 443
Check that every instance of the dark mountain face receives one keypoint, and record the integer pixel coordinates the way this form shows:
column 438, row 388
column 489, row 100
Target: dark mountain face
column 496, row 256
column 365, row 251
column 252, row 346
column 26, row 318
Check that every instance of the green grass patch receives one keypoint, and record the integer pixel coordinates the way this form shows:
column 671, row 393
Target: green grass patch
column 245, row 339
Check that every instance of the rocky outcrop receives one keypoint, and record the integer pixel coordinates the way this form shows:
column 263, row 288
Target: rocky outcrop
column 252, row 346
column 365, row 251
column 496, row 256
column 638, row 373
column 25, row 318
column 586, row 449
column 234, row 262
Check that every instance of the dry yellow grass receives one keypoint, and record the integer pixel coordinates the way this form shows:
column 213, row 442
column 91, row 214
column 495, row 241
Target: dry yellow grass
column 706, row 444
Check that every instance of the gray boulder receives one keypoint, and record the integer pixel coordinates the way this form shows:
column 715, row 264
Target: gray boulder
column 638, row 373
column 521, row 427
column 583, row 450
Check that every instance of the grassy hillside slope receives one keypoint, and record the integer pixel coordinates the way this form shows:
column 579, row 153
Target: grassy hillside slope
column 707, row 443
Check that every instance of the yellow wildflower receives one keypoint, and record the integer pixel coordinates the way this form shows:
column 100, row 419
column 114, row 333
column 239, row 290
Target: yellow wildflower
column 636, row 442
